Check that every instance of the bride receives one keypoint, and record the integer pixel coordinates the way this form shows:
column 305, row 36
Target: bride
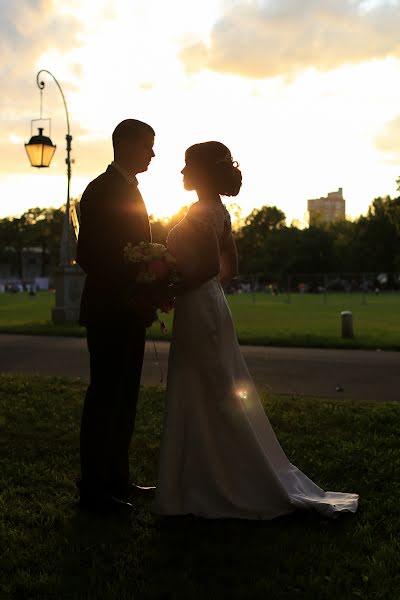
column 219, row 455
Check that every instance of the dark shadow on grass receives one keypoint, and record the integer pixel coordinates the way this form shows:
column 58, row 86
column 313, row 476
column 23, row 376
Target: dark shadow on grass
column 145, row 556
column 101, row 555
column 203, row 558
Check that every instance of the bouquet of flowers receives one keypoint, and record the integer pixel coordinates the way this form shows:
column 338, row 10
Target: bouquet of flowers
column 157, row 266
column 156, row 263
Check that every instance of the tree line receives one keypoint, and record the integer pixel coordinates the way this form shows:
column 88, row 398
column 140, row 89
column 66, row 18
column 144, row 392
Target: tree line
column 267, row 246
column 36, row 228
column 370, row 243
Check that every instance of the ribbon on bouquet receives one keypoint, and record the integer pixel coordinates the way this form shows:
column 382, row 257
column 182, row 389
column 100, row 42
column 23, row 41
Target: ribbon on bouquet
column 164, row 331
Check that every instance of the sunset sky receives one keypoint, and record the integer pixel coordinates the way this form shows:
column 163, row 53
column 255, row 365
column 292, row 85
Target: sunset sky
column 306, row 94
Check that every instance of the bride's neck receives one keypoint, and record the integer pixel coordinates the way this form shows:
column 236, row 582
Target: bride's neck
column 207, row 196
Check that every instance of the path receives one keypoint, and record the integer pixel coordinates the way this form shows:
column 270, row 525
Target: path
column 360, row 374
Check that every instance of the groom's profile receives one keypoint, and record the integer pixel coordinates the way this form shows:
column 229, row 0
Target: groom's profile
column 112, row 214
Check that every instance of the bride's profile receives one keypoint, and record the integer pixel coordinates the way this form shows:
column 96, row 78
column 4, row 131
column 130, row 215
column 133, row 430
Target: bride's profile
column 219, row 455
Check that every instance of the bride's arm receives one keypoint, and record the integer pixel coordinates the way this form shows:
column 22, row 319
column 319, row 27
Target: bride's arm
column 229, row 261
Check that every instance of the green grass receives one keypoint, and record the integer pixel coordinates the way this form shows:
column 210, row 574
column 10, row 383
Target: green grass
column 260, row 319
column 50, row 550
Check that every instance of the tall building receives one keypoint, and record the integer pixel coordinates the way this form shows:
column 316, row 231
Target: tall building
column 327, row 210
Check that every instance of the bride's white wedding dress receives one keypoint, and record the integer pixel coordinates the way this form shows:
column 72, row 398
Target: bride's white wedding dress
column 219, row 455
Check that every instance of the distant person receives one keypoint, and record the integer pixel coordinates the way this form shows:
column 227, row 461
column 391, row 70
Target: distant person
column 112, row 214
column 219, row 455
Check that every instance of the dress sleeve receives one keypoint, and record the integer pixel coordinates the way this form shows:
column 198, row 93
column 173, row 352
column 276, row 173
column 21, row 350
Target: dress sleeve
column 208, row 221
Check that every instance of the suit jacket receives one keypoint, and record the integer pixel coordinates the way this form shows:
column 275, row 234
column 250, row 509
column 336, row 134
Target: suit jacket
column 112, row 214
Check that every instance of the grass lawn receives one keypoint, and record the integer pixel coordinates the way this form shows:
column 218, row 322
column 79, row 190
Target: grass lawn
column 50, row 550
column 261, row 319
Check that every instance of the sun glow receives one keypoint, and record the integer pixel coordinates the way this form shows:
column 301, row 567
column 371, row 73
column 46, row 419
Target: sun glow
column 296, row 136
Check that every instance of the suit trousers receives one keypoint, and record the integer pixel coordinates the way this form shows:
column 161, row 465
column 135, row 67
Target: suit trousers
column 109, row 411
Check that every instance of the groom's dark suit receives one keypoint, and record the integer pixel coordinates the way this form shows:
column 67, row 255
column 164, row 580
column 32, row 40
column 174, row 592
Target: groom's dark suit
column 112, row 214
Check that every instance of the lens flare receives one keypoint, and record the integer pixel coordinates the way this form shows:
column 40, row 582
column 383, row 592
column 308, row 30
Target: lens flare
column 242, row 394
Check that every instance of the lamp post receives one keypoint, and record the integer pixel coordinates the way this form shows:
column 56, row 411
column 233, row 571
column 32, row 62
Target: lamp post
column 69, row 277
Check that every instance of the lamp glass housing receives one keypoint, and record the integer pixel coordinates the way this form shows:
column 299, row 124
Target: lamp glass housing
column 40, row 150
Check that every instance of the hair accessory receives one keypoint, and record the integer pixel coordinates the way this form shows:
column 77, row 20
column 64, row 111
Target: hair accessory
column 226, row 159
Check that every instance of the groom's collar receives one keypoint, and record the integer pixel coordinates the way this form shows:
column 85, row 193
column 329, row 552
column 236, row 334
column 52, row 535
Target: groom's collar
column 131, row 179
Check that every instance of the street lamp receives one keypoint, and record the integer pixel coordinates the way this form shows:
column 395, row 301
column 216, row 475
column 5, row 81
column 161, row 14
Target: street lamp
column 40, row 149
column 69, row 277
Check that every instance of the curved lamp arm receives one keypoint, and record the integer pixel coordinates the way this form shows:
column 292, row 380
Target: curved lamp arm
column 41, row 85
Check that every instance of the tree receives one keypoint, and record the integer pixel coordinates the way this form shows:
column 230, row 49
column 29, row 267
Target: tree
column 266, row 218
column 37, row 227
column 378, row 235
column 46, row 233
column 258, row 242
column 161, row 228
column 236, row 214
column 12, row 236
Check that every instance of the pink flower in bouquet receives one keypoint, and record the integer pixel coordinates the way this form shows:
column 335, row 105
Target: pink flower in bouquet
column 159, row 268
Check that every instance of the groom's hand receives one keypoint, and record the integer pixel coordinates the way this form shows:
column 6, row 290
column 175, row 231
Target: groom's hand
column 144, row 309
column 147, row 298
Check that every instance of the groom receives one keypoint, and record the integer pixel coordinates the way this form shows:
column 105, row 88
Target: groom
column 112, row 214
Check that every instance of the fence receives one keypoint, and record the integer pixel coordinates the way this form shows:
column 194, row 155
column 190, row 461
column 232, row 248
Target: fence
column 295, row 285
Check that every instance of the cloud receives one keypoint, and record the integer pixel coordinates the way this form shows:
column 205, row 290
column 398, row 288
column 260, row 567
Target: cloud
column 29, row 30
column 387, row 141
column 268, row 38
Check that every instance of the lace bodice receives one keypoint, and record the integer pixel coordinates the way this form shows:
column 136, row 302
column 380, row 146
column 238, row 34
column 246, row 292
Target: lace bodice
column 207, row 220
column 210, row 219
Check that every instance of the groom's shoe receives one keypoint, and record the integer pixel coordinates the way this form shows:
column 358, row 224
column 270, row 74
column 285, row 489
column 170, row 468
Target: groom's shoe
column 131, row 490
column 104, row 504
column 144, row 490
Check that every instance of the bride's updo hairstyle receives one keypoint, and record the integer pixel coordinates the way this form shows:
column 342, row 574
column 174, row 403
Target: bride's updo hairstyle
column 219, row 167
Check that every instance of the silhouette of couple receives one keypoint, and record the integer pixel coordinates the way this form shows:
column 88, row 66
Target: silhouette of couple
column 219, row 456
